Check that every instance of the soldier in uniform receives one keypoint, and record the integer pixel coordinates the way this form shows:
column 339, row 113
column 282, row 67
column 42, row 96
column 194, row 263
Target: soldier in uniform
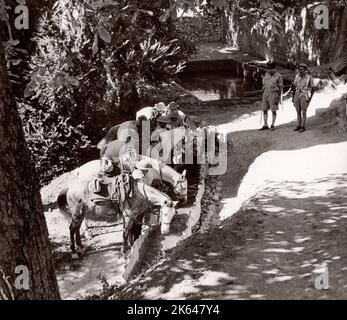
column 272, row 91
column 303, row 89
column 175, row 115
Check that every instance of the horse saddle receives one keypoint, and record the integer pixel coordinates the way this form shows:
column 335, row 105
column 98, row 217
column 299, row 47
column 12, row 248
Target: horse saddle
column 115, row 189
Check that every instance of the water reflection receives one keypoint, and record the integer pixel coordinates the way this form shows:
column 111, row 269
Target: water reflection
column 216, row 86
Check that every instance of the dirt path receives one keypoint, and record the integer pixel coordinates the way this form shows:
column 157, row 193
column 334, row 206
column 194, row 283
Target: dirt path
column 102, row 262
column 102, row 259
column 284, row 212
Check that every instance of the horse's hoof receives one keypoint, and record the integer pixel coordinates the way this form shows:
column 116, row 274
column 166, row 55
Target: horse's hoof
column 74, row 256
column 81, row 249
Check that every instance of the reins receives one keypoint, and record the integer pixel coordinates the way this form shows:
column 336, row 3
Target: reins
column 161, row 174
column 133, row 217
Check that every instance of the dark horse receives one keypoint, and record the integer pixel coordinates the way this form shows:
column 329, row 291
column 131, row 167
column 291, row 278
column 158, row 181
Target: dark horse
column 76, row 200
column 125, row 131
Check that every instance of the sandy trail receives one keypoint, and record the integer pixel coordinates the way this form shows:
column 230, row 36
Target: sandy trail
column 102, row 260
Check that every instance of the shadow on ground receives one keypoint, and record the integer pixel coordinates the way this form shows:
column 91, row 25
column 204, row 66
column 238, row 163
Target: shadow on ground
column 240, row 260
column 275, row 247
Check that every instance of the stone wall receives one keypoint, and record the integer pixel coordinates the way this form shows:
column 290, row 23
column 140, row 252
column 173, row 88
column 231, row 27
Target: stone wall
column 149, row 239
column 205, row 27
column 300, row 39
column 342, row 114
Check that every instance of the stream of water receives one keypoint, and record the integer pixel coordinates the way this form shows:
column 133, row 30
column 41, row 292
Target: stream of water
column 209, row 86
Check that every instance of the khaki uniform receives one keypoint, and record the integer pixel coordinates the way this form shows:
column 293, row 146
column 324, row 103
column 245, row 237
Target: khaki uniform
column 271, row 95
column 303, row 86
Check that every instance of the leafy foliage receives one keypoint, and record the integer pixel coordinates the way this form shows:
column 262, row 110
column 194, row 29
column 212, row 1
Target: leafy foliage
column 267, row 16
column 93, row 61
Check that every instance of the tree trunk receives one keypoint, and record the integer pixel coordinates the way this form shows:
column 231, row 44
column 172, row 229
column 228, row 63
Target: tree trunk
column 341, row 40
column 23, row 231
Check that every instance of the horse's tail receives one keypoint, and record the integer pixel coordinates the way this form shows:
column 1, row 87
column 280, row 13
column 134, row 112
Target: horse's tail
column 63, row 205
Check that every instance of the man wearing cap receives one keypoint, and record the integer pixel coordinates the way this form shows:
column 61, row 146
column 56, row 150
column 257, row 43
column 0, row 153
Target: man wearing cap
column 175, row 115
column 303, row 89
column 157, row 110
column 272, row 91
column 161, row 137
column 163, row 125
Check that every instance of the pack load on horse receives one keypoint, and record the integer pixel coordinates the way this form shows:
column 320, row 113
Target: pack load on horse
column 110, row 164
column 183, row 134
column 161, row 139
column 172, row 111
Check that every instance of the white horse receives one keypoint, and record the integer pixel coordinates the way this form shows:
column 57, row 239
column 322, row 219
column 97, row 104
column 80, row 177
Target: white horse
column 76, row 201
column 157, row 170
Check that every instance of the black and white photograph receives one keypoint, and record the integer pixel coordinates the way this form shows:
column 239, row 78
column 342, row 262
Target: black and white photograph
column 182, row 151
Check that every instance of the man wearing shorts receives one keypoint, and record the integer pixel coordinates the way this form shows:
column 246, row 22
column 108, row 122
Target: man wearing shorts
column 303, row 88
column 272, row 91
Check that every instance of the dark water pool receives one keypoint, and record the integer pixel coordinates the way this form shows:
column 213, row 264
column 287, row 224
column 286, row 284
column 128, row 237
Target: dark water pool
column 217, row 85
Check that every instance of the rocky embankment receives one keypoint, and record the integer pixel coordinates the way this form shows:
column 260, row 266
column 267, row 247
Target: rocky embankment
column 210, row 204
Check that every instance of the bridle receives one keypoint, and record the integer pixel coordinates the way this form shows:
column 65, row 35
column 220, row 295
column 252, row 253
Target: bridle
column 133, row 217
column 179, row 182
column 145, row 224
column 161, row 173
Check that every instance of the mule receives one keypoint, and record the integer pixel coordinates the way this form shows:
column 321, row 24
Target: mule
column 75, row 202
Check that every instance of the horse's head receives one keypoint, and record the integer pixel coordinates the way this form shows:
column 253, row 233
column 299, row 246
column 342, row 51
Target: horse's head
column 167, row 211
column 181, row 188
